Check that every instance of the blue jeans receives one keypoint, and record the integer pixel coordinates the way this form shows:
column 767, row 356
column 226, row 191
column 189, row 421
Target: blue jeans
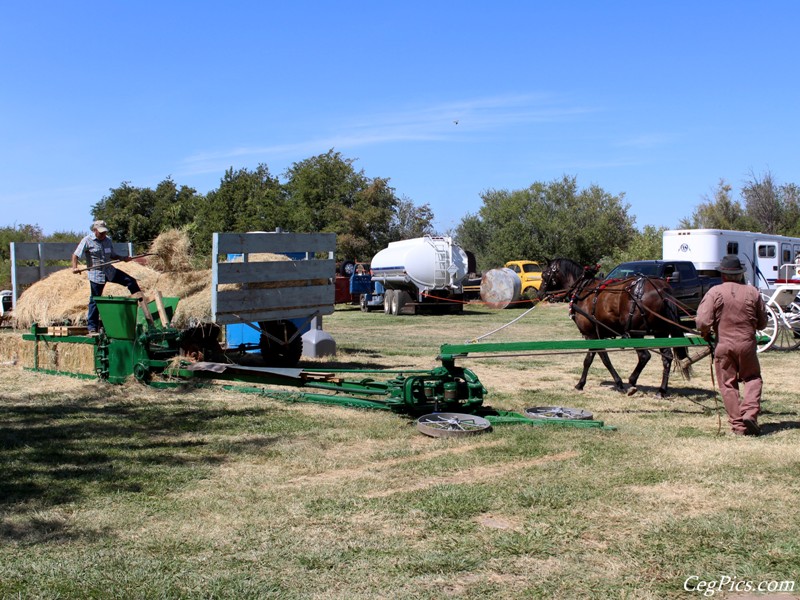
column 93, row 317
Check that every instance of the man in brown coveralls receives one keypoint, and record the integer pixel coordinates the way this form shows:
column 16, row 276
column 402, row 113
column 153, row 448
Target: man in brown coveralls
column 735, row 310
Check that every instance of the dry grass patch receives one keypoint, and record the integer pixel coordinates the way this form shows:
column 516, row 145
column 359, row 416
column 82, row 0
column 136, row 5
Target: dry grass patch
column 205, row 492
column 473, row 475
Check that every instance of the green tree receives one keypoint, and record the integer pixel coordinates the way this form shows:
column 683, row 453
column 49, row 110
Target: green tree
column 16, row 234
column 718, row 212
column 411, row 221
column 547, row 220
column 790, row 218
column 646, row 244
column 244, row 201
column 763, row 202
column 138, row 215
column 327, row 193
column 472, row 235
column 65, row 236
column 768, row 208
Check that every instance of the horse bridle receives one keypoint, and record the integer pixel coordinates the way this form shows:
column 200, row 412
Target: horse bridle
column 547, row 278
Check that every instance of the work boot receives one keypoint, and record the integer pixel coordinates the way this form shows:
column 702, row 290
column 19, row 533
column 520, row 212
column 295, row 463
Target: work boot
column 751, row 427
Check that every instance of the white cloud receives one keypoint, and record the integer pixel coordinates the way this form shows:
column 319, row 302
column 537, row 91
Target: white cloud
column 436, row 123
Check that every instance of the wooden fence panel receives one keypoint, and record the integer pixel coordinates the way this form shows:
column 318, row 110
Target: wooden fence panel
column 258, row 299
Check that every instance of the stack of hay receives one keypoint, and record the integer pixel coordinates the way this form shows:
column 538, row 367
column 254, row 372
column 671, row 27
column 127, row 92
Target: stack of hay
column 62, row 298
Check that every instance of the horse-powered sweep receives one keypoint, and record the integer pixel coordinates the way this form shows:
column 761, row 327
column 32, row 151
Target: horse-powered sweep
column 633, row 307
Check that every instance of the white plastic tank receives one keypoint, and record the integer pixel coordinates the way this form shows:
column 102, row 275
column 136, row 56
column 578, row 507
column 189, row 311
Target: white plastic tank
column 500, row 287
column 429, row 263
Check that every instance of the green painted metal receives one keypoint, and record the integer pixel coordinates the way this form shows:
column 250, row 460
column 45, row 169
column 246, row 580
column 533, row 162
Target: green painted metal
column 170, row 306
column 118, row 315
column 436, row 390
column 133, row 347
column 453, row 350
column 62, row 373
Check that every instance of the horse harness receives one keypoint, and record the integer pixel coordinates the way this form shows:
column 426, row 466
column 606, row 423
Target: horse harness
column 635, row 291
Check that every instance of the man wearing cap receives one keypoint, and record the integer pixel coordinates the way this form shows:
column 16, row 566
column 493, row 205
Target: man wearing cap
column 99, row 251
column 734, row 311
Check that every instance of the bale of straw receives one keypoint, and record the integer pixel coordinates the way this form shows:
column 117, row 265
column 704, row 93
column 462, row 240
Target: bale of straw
column 53, row 356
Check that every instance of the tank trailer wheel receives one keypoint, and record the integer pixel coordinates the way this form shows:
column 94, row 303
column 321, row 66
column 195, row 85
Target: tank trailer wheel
column 452, row 425
column 398, row 301
column 387, row 301
column 557, row 412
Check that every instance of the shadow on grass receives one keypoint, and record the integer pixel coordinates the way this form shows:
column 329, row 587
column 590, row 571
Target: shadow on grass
column 773, row 428
column 62, row 451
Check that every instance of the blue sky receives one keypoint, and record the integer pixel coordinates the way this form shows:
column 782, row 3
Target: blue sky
column 656, row 100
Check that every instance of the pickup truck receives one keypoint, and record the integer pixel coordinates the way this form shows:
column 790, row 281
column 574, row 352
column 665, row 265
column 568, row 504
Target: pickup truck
column 529, row 273
column 687, row 286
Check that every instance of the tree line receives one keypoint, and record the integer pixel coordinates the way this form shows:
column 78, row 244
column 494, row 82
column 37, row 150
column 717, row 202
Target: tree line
column 326, row 193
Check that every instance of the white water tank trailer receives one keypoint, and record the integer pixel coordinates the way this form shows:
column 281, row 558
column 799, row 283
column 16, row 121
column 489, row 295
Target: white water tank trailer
column 425, row 272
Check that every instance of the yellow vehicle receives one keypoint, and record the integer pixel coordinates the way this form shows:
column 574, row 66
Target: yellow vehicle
column 529, row 273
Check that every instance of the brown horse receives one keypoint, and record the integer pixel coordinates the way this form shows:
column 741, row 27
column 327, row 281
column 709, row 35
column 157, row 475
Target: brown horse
column 632, row 307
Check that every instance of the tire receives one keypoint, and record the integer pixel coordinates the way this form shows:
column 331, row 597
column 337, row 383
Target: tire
column 363, row 303
column 387, row 302
column 399, row 299
column 280, row 354
column 404, row 299
column 347, row 268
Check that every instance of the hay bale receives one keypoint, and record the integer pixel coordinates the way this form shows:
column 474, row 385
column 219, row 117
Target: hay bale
column 53, row 356
column 62, row 297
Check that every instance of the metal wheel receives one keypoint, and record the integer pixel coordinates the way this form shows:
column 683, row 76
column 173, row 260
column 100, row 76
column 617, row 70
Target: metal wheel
column 452, row 425
column 558, row 412
column 788, row 334
column 770, row 331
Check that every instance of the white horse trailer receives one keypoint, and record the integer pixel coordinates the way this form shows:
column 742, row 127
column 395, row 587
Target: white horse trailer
column 768, row 259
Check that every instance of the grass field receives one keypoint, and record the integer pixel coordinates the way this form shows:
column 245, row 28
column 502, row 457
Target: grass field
column 130, row 492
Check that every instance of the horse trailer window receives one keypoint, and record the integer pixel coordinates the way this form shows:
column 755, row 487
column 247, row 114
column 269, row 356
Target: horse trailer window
column 766, row 251
column 733, row 248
